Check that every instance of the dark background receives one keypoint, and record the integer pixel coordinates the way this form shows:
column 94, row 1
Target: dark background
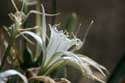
column 106, row 39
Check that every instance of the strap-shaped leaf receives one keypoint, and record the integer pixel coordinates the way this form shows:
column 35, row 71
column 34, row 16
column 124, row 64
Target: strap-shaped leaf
column 118, row 74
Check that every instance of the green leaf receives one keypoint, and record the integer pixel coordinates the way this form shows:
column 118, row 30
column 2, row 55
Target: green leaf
column 39, row 59
column 27, row 59
column 59, row 72
column 70, row 23
column 118, row 75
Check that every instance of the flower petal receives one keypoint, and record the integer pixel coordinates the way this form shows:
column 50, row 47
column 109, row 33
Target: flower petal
column 59, row 42
column 43, row 24
column 93, row 64
column 35, row 36
column 8, row 73
column 83, row 64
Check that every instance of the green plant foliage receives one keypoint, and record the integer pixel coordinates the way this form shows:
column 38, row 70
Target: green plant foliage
column 28, row 61
column 70, row 23
column 118, row 75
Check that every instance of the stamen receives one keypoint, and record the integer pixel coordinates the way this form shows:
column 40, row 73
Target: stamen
column 86, row 33
column 28, row 40
column 29, row 29
column 14, row 5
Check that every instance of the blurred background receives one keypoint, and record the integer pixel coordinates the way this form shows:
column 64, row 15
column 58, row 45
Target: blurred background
column 105, row 42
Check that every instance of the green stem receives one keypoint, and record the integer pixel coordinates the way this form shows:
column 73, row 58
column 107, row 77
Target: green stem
column 38, row 23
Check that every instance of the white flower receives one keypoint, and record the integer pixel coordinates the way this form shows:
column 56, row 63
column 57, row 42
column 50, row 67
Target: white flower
column 57, row 52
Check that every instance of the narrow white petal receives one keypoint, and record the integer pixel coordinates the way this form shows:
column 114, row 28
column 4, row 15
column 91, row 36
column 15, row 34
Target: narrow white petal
column 84, row 64
column 43, row 24
column 5, row 74
column 35, row 36
column 93, row 64
column 76, row 62
column 99, row 80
